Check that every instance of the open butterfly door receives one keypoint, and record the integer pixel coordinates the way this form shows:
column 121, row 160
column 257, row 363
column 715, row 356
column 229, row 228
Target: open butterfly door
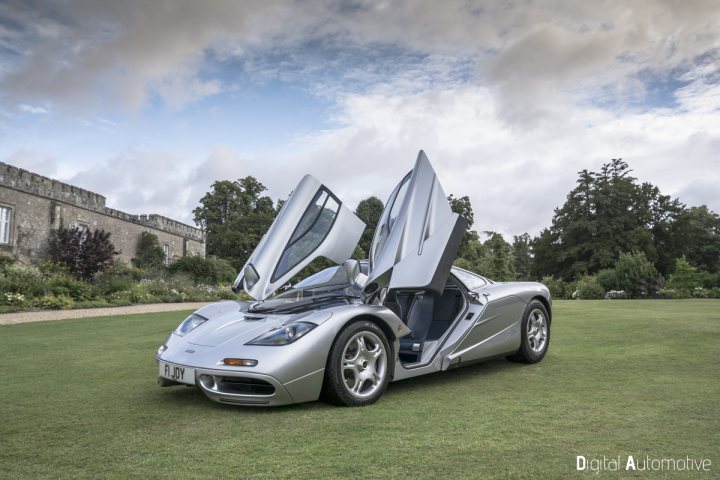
column 312, row 223
column 417, row 237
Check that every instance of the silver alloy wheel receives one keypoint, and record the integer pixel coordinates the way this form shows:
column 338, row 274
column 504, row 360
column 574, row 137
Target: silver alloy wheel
column 364, row 364
column 537, row 330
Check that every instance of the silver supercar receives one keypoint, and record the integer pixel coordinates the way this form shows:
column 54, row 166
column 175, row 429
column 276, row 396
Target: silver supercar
column 344, row 333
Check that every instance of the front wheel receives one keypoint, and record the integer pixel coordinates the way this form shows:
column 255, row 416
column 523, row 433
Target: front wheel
column 357, row 371
column 535, row 329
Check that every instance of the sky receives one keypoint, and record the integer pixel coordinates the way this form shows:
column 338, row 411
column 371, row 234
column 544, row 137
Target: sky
column 149, row 103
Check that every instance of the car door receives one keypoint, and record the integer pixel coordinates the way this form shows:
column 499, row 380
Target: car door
column 312, row 223
column 417, row 237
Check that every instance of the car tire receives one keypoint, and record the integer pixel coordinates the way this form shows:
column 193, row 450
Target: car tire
column 358, row 366
column 535, row 331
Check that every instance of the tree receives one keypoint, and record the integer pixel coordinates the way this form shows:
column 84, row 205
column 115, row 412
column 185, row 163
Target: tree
column 588, row 288
column 82, row 252
column 608, row 212
column 685, row 277
column 235, row 216
column 497, row 261
column 696, row 235
column 522, row 256
column 369, row 211
column 462, row 206
column 148, row 252
column 635, row 274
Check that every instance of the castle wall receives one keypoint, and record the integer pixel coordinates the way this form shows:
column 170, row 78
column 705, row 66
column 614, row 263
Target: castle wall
column 40, row 205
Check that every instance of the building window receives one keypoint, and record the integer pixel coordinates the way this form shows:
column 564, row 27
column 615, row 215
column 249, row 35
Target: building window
column 166, row 251
column 5, row 218
column 82, row 227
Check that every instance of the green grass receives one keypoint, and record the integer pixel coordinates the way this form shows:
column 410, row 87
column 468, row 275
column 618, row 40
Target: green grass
column 79, row 400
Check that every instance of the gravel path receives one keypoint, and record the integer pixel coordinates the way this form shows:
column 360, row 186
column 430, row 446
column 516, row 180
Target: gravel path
column 45, row 315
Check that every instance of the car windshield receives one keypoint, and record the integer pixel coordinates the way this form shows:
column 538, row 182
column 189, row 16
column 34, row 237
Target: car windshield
column 321, row 290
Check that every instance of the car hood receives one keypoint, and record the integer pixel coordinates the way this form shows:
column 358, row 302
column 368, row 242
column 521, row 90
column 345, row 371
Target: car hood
column 231, row 323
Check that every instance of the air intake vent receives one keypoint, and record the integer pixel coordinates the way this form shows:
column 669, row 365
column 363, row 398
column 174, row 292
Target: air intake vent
column 245, row 386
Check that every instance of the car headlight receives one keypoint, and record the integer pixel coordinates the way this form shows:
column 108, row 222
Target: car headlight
column 283, row 335
column 164, row 346
column 189, row 324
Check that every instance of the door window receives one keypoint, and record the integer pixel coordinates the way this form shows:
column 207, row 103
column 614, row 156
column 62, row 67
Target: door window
column 312, row 229
column 386, row 225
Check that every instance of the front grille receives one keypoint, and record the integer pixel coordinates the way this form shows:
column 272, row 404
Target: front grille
column 245, row 386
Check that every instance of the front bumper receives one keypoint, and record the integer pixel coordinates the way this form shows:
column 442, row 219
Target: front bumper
column 237, row 387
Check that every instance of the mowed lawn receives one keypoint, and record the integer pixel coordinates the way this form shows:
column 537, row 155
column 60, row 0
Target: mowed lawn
column 79, row 400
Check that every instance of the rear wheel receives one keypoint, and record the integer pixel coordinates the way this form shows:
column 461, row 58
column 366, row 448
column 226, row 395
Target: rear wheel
column 356, row 373
column 535, row 329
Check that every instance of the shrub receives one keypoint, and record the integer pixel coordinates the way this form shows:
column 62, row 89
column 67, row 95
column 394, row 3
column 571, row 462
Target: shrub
column 92, row 304
column 671, row 294
column 13, row 299
column 700, row 292
column 64, row 284
column 588, row 288
column 635, row 274
column 6, row 261
column 117, row 278
column 556, row 286
column 607, row 279
column 685, row 276
column 54, row 302
column 26, row 280
column 120, row 299
column 205, row 270
column 84, row 253
column 149, row 255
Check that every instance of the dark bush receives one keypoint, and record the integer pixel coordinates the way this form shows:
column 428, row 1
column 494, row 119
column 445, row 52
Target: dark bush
column 84, row 253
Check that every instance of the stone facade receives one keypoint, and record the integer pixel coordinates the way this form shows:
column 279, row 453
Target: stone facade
column 34, row 206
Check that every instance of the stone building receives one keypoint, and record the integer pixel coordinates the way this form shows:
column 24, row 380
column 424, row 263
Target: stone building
column 33, row 206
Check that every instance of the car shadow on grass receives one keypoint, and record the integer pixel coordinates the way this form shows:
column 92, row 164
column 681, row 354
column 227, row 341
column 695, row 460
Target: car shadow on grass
column 191, row 398
column 439, row 379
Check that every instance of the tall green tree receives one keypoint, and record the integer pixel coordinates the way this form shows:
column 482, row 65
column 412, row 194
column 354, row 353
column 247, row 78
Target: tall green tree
column 235, row 216
column 522, row 256
column 148, row 252
column 369, row 211
column 497, row 262
column 470, row 245
column 607, row 213
column 696, row 235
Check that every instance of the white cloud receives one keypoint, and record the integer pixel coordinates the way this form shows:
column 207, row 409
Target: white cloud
column 505, row 97
column 81, row 54
column 33, row 162
column 32, row 109
column 515, row 177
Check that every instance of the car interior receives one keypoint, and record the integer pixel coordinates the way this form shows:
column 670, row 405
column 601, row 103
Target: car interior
column 427, row 314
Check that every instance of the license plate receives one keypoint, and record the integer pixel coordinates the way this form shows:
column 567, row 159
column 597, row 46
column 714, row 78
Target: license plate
column 177, row 373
